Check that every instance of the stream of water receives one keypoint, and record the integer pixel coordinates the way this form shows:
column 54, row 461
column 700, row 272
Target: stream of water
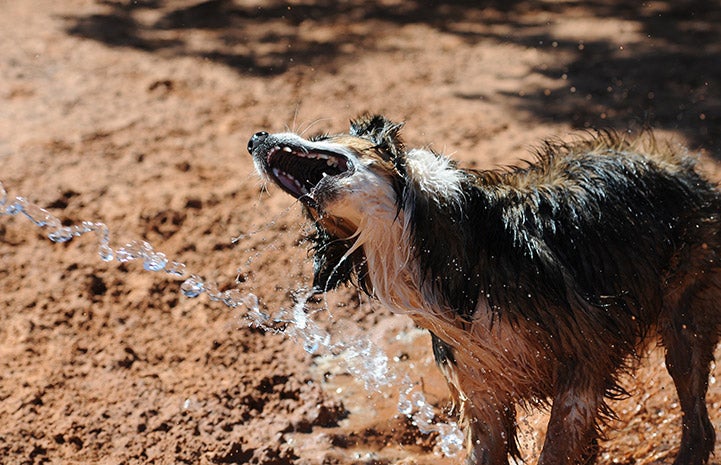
column 363, row 359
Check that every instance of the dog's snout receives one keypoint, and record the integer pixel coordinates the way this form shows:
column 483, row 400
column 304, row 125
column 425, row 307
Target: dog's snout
column 256, row 140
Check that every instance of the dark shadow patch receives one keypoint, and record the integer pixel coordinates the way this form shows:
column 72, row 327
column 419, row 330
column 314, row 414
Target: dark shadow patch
column 670, row 80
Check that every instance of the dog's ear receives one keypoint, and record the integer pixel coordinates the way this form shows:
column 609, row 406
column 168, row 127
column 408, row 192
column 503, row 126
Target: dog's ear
column 381, row 131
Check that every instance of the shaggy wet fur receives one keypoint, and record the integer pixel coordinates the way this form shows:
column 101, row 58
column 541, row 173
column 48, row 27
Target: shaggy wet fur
column 540, row 284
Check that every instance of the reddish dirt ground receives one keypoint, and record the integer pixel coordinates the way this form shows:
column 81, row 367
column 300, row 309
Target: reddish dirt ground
column 137, row 114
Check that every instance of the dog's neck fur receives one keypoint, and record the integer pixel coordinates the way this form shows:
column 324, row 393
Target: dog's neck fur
column 389, row 234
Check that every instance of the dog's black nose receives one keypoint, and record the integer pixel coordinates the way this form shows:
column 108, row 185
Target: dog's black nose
column 256, row 140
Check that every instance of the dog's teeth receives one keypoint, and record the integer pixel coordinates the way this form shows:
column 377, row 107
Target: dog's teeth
column 331, row 162
column 287, row 149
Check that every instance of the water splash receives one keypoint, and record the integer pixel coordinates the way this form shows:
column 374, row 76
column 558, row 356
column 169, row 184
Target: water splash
column 413, row 404
column 368, row 362
column 362, row 359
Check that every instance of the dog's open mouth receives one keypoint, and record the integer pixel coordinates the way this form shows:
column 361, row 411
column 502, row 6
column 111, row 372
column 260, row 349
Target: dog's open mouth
column 299, row 171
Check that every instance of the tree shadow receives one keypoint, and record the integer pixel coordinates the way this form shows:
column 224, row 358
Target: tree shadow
column 262, row 40
column 671, row 79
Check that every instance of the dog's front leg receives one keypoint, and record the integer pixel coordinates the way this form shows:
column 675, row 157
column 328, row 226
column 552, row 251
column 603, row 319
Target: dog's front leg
column 490, row 430
column 572, row 434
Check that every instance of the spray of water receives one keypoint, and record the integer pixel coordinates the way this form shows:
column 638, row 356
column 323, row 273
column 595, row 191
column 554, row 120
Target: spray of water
column 142, row 251
column 363, row 359
column 368, row 362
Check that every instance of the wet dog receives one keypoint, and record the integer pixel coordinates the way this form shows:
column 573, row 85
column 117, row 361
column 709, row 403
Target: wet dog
column 540, row 284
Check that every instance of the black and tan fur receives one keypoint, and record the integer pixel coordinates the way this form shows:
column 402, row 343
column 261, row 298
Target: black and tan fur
column 540, row 284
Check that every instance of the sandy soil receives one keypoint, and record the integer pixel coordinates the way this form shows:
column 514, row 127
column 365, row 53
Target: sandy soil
column 137, row 114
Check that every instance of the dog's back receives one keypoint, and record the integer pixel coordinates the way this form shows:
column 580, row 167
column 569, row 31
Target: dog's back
column 617, row 226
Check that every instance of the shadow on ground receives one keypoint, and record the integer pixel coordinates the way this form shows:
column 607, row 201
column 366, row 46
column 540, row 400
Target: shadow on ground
column 671, row 79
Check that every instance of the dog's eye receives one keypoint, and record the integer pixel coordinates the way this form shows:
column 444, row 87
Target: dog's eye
column 320, row 137
column 382, row 152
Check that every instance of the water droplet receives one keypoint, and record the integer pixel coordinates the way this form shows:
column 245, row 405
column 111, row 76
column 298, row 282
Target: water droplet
column 60, row 235
column 450, row 439
column 192, row 287
column 232, row 298
column 13, row 209
column 254, row 314
column 214, row 294
column 405, row 406
column 311, row 346
column 155, row 261
column 175, row 269
column 300, row 319
column 127, row 253
column 106, row 253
